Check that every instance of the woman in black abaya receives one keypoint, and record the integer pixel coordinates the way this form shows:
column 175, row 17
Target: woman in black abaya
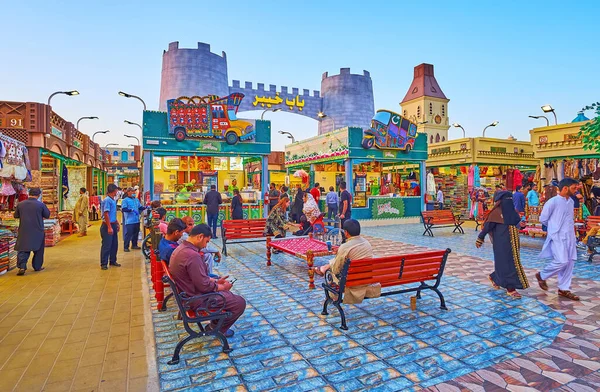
column 501, row 225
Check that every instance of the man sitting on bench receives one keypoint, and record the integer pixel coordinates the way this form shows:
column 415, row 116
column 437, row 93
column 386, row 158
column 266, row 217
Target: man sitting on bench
column 356, row 247
column 189, row 271
column 169, row 242
column 211, row 253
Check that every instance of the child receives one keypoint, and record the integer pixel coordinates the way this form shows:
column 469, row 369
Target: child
column 332, row 201
column 305, row 226
column 162, row 225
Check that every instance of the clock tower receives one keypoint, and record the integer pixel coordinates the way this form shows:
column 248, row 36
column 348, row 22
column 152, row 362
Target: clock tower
column 426, row 105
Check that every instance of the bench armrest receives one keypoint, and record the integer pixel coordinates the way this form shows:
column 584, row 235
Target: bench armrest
column 210, row 303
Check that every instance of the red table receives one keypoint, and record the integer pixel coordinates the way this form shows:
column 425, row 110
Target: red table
column 306, row 248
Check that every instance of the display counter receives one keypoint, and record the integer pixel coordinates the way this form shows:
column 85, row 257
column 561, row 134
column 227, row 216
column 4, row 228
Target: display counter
column 198, row 211
column 389, row 207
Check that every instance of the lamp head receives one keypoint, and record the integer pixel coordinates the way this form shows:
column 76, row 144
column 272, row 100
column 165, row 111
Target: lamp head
column 457, row 125
column 494, row 123
column 547, row 109
column 72, row 92
column 129, row 122
column 124, row 94
column 321, row 115
column 536, row 117
column 107, row 131
column 276, row 110
column 93, row 118
column 280, row 132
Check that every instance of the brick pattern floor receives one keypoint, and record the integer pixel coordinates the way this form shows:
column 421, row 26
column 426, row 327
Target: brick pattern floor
column 73, row 326
column 485, row 341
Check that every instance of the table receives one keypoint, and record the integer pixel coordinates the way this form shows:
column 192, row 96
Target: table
column 306, row 248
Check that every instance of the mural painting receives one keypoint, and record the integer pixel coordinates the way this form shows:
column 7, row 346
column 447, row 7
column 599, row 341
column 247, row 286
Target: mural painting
column 389, row 130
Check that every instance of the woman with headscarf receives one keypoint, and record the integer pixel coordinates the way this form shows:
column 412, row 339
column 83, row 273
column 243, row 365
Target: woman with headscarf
column 501, row 225
column 277, row 224
column 313, row 213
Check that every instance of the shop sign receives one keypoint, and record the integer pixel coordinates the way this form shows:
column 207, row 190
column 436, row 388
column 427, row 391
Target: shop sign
column 463, row 146
column 387, row 208
column 543, row 139
column 77, row 144
column 11, row 122
column 440, row 150
column 571, row 137
column 57, row 132
column 209, row 146
column 171, row 163
column 389, row 154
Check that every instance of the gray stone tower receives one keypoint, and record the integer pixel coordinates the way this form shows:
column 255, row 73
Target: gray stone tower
column 189, row 72
column 347, row 99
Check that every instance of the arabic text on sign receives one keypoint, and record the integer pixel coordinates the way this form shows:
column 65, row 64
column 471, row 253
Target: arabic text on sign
column 277, row 100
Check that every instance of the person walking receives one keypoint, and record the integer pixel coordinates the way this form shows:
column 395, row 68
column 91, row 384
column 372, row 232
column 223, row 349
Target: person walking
column 31, row 214
column 273, row 196
column 81, row 212
column 131, row 208
column 533, row 197
column 109, row 230
column 316, row 192
column 560, row 245
column 440, row 198
column 296, row 210
column 519, row 199
column 332, row 200
column 501, row 225
column 236, row 205
column 213, row 200
column 345, row 204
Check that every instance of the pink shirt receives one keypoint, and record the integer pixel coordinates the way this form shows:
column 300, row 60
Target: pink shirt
column 162, row 226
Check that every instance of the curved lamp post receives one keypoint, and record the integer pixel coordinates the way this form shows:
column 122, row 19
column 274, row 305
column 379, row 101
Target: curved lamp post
column 132, row 123
column 548, row 109
column 126, row 95
column 69, row 93
column 457, row 125
column 289, row 135
column 95, row 133
column 544, row 117
column 491, row 125
column 133, row 137
column 85, row 118
column 262, row 115
column 322, row 116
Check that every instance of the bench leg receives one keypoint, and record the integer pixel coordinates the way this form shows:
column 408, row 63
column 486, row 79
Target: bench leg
column 224, row 342
column 224, row 247
column 175, row 359
column 442, row 301
column 268, row 251
column 428, row 230
column 311, row 273
column 328, row 300
column 163, row 306
column 342, row 315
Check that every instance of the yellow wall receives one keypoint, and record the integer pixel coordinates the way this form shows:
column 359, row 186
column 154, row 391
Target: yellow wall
column 558, row 141
column 164, row 177
column 230, row 175
column 325, row 179
column 430, row 127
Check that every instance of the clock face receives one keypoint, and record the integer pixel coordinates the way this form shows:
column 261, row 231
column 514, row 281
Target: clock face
column 438, row 119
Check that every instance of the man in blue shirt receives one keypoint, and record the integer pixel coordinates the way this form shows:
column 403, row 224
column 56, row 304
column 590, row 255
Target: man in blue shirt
column 519, row 199
column 109, row 231
column 533, row 198
column 170, row 242
column 131, row 209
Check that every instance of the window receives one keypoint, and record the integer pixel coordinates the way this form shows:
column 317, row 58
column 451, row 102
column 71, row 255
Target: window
column 431, row 108
column 437, row 138
column 405, row 113
column 418, row 112
column 124, row 155
column 443, row 110
column 107, row 152
column 431, row 140
column 115, row 153
column 132, row 154
column 443, row 138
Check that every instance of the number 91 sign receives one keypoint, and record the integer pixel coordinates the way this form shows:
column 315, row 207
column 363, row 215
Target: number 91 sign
column 12, row 122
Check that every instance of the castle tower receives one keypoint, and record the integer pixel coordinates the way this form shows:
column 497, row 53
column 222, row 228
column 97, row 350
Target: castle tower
column 189, row 72
column 426, row 104
column 347, row 99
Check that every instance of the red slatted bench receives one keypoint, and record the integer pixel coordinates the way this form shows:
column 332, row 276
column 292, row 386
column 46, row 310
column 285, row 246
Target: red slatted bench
column 242, row 231
column 441, row 218
column 195, row 311
column 389, row 271
column 593, row 242
column 480, row 219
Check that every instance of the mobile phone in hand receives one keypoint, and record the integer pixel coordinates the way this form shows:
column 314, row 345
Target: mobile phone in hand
column 232, row 281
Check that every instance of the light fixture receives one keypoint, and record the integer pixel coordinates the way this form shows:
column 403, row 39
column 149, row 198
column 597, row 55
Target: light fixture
column 262, row 115
column 457, row 125
column 126, row 95
column 491, row 125
column 548, row 109
column 289, row 135
column 69, row 93
column 544, row 117
column 95, row 133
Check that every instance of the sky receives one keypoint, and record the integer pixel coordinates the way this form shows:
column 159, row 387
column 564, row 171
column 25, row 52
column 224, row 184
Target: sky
column 495, row 61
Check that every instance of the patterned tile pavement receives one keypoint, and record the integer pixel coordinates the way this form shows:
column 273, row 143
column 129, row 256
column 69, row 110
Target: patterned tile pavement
column 485, row 341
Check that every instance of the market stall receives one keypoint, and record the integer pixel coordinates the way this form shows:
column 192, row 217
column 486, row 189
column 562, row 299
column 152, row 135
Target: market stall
column 195, row 146
column 385, row 182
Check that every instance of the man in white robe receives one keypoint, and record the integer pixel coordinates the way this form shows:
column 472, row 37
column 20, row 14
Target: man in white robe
column 560, row 245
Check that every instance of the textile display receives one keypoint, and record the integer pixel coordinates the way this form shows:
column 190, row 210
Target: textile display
column 77, row 179
column 8, row 254
column 65, row 182
column 52, row 232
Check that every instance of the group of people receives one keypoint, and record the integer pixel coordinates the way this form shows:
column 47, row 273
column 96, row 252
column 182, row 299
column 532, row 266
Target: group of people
column 502, row 226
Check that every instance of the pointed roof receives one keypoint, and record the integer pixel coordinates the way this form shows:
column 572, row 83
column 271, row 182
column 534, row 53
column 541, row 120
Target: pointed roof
column 580, row 117
column 424, row 84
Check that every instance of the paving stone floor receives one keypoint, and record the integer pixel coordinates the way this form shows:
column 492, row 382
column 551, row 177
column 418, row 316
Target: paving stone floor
column 75, row 327
column 485, row 341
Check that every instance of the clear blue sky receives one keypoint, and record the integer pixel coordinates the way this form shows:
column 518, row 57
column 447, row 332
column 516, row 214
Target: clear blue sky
column 494, row 60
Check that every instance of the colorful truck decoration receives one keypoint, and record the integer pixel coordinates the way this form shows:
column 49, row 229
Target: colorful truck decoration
column 390, row 131
column 208, row 117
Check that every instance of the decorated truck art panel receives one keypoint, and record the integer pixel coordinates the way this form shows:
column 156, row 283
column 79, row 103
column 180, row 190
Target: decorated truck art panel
column 390, row 131
column 208, row 117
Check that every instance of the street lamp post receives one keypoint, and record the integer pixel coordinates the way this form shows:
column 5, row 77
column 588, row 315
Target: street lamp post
column 133, row 137
column 123, row 94
column 132, row 123
column 289, row 135
column 262, row 115
column 491, row 125
column 69, row 93
column 544, row 117
column 95, row 133
column 110, row 144
column 548, row 109
column 85, row 118
column 457, row 125
column 322, row 116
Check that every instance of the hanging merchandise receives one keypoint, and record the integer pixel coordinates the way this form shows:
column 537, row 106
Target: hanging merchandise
column 517, row 178
column 65, row 182
column 430, row 183
column 476, row 177
column 471, row 177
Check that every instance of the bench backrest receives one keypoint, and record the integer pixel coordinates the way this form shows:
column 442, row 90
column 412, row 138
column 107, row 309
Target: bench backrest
column 395, row 270
column 441, row 216
column 593, row 221
column 244, row 228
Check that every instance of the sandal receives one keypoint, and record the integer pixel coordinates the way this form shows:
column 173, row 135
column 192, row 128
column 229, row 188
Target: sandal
column 541, row 282
column 567, row 294
column 494, row 285
column 317, row 270
column 514, row 294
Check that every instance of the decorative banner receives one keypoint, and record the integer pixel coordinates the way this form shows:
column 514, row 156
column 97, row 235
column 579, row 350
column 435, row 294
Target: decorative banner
column 209, row 146
column 387, row 208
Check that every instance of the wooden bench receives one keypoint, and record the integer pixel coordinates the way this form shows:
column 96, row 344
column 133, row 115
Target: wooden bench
column 242, row 231
column 441, row 218
column 480, row 219
column 389, row 271
column 197, row 310
column 593, row 242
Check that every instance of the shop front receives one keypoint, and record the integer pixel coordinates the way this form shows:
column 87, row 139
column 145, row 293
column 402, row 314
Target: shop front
column 180, row 173
column 385, row 182
column 470, row 166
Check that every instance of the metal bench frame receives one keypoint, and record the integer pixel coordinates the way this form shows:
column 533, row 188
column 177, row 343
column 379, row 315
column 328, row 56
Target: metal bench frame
column 429, row 224
column 241, row 240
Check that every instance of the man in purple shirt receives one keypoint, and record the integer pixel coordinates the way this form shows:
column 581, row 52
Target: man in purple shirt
column 188, row 269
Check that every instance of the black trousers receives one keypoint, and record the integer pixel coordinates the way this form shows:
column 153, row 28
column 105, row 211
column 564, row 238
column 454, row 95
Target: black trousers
column 132, row 231
column 36, row 263
column 110, row 244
